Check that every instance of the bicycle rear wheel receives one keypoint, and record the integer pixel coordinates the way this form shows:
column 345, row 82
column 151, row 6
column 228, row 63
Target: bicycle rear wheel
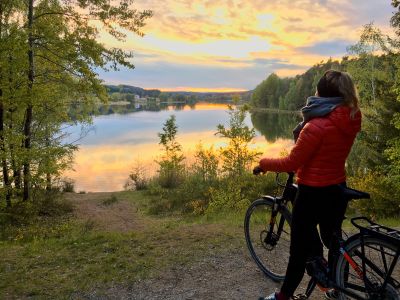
column 378, row 257
column 271, row 255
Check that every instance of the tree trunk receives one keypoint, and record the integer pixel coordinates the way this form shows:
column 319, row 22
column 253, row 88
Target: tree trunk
column 29, row 109
column 48, row 182
column 16, row 170
column 6, row 180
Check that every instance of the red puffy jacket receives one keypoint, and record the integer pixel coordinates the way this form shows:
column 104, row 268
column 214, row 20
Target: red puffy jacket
column 320, row 153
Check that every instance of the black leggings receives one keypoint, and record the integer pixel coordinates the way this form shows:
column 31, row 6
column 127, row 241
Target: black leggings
column 323, row 206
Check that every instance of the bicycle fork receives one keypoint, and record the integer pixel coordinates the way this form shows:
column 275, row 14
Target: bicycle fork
column 271, row 238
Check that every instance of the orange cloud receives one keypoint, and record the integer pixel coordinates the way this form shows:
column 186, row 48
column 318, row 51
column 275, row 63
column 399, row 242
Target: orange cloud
column 210, row 33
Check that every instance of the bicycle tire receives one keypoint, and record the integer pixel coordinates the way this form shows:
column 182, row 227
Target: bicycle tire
column 272, row 260
column 379, row 255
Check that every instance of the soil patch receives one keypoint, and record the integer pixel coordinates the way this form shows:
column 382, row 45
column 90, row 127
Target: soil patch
column 120, row 216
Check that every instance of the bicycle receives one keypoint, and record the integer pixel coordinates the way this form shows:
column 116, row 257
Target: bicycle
column 365, row 266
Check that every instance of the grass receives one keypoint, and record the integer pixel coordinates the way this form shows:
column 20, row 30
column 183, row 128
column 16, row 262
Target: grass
column 111, row 200
column 64, row 257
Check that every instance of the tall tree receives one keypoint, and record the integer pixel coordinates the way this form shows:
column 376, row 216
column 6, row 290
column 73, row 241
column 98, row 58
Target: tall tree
column 59, row 41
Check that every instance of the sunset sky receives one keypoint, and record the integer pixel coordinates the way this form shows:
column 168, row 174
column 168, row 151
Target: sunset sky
column 219, row 45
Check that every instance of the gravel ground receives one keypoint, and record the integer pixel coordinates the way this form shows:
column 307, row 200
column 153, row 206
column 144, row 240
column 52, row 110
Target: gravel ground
column 232, row 276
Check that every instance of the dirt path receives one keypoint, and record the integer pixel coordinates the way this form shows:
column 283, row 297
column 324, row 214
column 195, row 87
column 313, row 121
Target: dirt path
column 233, row 276
column 227, row 274
column 99, row 209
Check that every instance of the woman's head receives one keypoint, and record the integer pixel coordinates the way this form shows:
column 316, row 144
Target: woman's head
column 338, row 84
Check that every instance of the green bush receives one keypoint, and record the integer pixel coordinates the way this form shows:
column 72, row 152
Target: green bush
column 38, row 218
column 137, row 179
column 237, row 158
column 67, row 185
column 236, row 193
column 384, row 191
column 206, row 164
column 172, row 168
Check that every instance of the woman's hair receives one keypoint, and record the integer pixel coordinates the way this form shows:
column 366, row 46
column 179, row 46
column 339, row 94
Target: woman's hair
column 339, row 84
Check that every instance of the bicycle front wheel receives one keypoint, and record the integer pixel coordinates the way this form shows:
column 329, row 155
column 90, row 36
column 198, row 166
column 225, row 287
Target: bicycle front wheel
column 269, row 251
column 379, row 256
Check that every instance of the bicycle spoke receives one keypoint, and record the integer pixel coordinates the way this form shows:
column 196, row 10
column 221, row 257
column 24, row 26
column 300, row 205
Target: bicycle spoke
column 355, row 287
column 384, row 259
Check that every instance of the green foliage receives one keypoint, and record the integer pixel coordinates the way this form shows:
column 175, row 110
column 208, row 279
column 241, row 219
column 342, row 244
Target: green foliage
column 206, row 164
column 171, row 172
column 274, row 125
column 376, row 77
column 67, row 185
column 384, row 192
column 205, row 189
column 19, row 221
column 126, row 92
column 236, row 193
column 290, row 93
column 237, row 157
column 49, row 57
column 137, row 178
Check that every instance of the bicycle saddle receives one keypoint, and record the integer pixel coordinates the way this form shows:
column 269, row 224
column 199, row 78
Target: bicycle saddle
column 350, row 193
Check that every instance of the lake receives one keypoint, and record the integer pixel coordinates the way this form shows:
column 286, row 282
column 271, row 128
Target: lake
column 126, row 136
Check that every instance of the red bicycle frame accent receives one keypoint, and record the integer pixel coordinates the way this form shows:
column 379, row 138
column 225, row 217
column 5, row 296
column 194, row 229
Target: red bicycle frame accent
column 352, row 263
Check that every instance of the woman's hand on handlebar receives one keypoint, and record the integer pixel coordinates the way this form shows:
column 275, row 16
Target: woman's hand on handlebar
column 257, row 170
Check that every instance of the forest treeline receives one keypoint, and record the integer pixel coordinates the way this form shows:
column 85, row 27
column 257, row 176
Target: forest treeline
column 49, row 59
column 127, row 93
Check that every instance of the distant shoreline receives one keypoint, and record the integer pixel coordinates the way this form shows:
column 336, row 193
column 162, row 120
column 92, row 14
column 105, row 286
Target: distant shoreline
column 274, row 110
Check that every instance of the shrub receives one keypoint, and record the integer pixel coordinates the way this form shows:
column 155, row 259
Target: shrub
column 67, row 185
column 44, row 204
column 206, row 164
column 236, row 193
column 171, row 172
column 237, row 157
column 384, row 191
column 137, row 178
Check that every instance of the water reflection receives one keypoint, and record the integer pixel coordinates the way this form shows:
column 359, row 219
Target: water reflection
column 125, row 135
column 153, row 106
column 275, row 125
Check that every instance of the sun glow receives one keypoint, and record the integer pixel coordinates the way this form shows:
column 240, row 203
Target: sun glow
column 106, row 168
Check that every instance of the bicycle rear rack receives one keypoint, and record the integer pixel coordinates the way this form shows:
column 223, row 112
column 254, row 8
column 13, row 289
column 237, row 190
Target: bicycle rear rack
column 365, row 225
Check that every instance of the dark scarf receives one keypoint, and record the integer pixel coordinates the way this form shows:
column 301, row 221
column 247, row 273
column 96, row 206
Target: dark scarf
column 316, row 107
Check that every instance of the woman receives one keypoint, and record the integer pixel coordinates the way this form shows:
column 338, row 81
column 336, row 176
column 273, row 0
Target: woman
column 332, row 120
